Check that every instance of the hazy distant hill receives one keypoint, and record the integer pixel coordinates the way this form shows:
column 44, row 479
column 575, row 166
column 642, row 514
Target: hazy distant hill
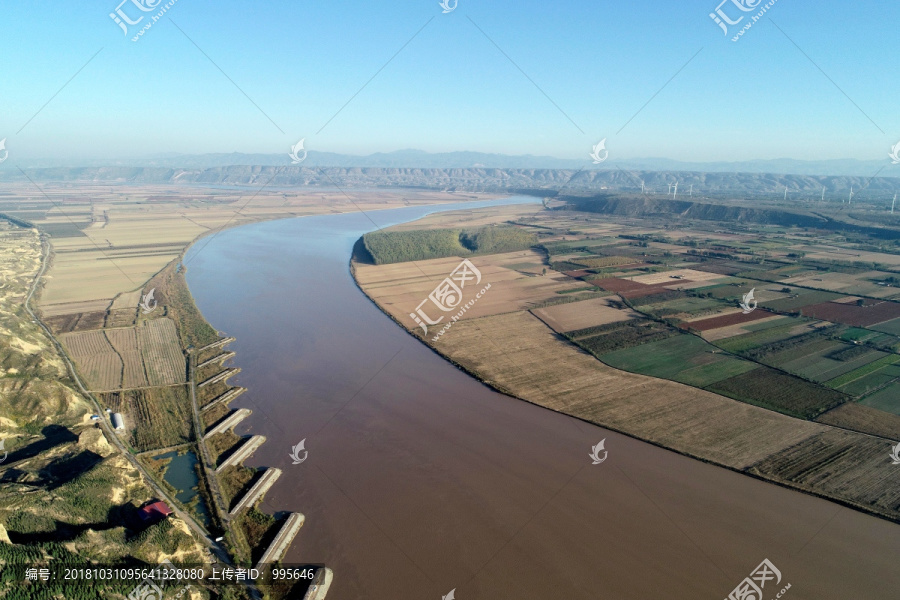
column 465, row 160
column 487, row 179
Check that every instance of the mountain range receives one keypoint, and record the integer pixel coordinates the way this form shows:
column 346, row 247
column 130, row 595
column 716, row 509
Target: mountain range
column 417, row 159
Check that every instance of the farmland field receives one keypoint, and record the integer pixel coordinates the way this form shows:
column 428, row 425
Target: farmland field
column 863, row 418
column 841, row 463
column 822, row 359
column 127, row 358
column 851, row 314
column 580, row 315
column 776, row 332
column 617, row 336
column 163, row 359
column 126, row 344
column 892, row 327
column 735, row 318
column 684, row 358
column 156, row 418
column 801, row 298
column 96, row 359
column 887, row 400
column 772, row 389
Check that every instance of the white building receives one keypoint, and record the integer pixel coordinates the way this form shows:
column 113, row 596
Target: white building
column 118, row 421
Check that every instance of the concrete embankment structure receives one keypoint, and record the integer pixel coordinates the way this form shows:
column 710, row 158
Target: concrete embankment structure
column 220, row 377
column 229, row 422
column 247, row 448
column 216, row 359
column 216, row 344
column 283, row 539
column 319, row 589
column 226, row 397
column 255, row 493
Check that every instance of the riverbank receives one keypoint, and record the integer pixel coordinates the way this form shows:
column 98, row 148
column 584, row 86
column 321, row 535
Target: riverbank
column 508, row 347
column 411, row 457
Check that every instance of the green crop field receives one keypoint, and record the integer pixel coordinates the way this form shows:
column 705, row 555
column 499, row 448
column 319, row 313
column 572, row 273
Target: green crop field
column 795, row 346
column 774, row 390
column 871, row 382
column 706, row 375
column 867, row 369
column 669, row 358
column 887, row 399
column 822, row 359
column 757, row 340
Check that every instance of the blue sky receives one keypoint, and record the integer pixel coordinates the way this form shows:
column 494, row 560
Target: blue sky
column 450, row 88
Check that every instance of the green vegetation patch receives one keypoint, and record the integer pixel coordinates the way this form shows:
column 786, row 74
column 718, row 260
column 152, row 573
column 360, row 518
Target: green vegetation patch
column 706, row 375
column 821, row 366
column 867, row 369
column 777, row 391
column 794, row 346
column 887, row 400
column 158, row 417
column 617, row 336
column 684, row 358
column 388, row 247
column 741, row 343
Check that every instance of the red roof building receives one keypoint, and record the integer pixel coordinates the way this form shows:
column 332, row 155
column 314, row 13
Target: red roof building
column 155, row 511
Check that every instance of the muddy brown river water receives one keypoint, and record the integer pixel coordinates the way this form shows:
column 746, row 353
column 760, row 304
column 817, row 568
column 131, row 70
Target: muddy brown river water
column 421, row 480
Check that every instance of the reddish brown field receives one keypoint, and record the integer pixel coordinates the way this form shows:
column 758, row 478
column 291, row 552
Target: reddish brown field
column 632, row 289
column 851, row 314
column 736, row 318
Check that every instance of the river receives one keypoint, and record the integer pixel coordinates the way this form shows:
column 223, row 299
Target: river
column 421, row 480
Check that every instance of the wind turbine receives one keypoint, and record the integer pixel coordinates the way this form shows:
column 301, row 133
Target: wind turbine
column 850, row 201
column 893, row 203
column 676, row 191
